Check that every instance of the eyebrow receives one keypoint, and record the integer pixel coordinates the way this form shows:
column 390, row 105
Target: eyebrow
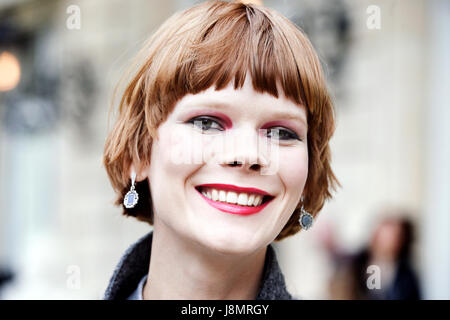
column 225, row 105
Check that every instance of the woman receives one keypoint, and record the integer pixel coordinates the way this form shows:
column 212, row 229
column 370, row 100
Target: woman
column 221, row 143
column 390, row 250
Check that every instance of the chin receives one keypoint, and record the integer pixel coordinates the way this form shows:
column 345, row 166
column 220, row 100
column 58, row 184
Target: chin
column 231, row 243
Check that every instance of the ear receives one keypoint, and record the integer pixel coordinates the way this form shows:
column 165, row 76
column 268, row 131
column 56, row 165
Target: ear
column 141, row 173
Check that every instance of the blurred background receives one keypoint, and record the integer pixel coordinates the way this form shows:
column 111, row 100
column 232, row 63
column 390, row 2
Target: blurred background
column 388, row 67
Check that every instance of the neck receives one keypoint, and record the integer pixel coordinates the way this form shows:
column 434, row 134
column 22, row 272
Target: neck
column 184, row 270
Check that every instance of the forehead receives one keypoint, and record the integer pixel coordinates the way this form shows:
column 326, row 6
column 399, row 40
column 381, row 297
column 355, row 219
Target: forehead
column 245, row 99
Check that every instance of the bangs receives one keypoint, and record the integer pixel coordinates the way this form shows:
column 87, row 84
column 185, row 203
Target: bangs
column 230, row 44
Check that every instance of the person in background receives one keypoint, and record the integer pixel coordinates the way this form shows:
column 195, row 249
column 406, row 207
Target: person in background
column 390, row 250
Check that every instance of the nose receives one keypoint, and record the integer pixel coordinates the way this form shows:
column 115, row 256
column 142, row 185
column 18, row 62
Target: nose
column 248, row 166
column 243, row 151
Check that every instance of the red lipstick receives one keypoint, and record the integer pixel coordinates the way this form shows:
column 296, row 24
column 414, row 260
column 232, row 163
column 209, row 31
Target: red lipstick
column 230, row 187
column 235, row 208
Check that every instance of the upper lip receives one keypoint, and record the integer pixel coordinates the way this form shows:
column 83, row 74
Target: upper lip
column 230, row 187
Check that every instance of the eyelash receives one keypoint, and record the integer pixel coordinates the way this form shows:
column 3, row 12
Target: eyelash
column 291, row 134
column 202, row 118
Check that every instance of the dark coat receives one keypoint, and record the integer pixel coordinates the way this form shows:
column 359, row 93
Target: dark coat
column 404, row 285
column 135, row 262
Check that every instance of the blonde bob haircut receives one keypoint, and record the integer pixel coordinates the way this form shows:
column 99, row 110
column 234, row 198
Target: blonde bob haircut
column 210, row 44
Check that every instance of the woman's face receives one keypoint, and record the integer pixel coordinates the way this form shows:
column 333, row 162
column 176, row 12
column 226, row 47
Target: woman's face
column 388, row 239
column 198, row 144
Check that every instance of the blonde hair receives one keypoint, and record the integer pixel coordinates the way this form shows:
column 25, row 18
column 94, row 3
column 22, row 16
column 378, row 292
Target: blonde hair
column 210, row 44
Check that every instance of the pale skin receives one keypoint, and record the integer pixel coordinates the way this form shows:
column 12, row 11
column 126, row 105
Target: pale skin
column 196, row 273
column 198, row 251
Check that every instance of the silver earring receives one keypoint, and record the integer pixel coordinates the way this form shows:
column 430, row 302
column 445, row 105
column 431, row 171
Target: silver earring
column 306, row 219
column 131, row 198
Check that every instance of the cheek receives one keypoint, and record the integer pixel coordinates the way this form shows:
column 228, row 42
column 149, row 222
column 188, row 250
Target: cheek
column 173, row 155
column 293, row 170
column 169, row 173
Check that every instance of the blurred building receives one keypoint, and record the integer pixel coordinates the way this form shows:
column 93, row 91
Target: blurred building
column 60, row 235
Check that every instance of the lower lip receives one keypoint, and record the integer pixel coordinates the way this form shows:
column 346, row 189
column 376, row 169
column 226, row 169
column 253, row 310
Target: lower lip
column 233, row 208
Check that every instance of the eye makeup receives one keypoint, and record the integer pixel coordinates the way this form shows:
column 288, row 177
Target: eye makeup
column 203, row 120
column 297, row 133
column 291, row 129
column 225, row 121
column 285, row 135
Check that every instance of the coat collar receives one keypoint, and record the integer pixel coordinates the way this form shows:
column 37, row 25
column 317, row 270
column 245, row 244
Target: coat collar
column 134, row 265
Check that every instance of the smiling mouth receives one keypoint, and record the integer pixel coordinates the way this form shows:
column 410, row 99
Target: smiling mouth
column 232, row 195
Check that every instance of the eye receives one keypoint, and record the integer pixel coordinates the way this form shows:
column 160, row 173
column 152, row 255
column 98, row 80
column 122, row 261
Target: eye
column 206, row 123
column 281, row 133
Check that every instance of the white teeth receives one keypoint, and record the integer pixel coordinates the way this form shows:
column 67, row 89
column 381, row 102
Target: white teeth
column 231, row 197
column 251, row 198
column 243, row 199
column 222, row 196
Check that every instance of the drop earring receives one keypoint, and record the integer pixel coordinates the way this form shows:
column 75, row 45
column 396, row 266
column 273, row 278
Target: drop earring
column 131, row 198
column 306, row 219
